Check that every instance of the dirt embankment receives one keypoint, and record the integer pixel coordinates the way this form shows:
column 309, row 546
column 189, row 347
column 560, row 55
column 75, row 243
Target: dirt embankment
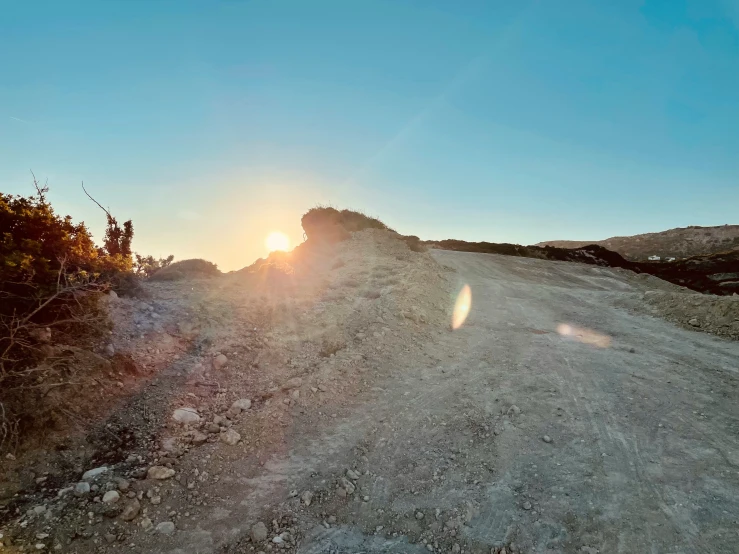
column 715, row 274
column 219, row 369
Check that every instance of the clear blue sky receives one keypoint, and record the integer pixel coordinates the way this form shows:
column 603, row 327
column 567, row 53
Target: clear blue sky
column 212, row 123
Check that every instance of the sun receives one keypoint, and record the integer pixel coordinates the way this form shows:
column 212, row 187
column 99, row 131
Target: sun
column 277, row 241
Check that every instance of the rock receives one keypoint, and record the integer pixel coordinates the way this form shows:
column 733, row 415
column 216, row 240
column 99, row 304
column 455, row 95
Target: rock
column 546, row 438
column 219, row 361
column 293, row 383
column 82, row 489
column 230, row 437
column 160, row 473
column 111, row 497
column 91, row 474
column 514, row 410
column 348, row 485
column 109, row 537
column 456, row 549
column 258, row 532
column 198, row 438
column 306, row 497
column 186, row 415
column 527, row 505
column 694, row 322
column 213, row 428
column 146, row 524
column 109, row 350
column 242, row 404
column 131, row 510
column 122, row 484
column 419, row 515
column 353, row 475
column 165, row 528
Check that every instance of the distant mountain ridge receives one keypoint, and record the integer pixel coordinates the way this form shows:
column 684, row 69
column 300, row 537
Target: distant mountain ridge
column 682, row 242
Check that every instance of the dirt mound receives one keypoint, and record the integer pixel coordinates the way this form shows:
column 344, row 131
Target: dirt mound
column 718, row 315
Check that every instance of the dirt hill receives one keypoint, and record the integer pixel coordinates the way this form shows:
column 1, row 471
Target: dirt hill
column 681, row 242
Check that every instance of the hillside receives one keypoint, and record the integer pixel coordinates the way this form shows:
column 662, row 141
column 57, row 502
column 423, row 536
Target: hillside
column 681, row 242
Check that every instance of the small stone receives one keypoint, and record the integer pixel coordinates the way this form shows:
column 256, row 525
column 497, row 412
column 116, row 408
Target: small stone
column 82, row 489
column 258, row 532
column 278, row 539
column 131, row 510
column 366, row 498
column 111, row 497
column 293, row 383
column 546, row 438
column 694, row 322
column 123, row 485
column 186, row 415
column 40, row 546
column 306, row 497
column 213, row 428
column 230, row 437
column 456, row 549
column 527, row 505
column 419, row 515
column 91, row 474
column 109, row 537
column 347, row 485
column 353, row 475
column 109, row 350
column 219, row 361
column 242, row 404
column 160, row 473
column 198, row 438
column 146, row 524
column 165, row 528
column 514, row 410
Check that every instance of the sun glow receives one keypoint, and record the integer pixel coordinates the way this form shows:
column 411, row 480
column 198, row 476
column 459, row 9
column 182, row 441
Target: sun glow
column 277, row 241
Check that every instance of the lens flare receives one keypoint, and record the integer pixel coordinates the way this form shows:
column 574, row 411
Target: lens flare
column 585, row 336
column 462, row 307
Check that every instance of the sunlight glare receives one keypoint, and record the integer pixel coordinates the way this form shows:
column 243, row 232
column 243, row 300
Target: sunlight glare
column 277, row 241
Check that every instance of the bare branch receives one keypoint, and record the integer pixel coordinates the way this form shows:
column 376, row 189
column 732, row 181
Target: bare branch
column 96, row 202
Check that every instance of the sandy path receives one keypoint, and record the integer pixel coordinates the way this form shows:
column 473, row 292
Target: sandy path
column 644, row 451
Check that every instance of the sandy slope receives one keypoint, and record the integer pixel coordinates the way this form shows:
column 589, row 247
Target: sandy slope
column 444, row 432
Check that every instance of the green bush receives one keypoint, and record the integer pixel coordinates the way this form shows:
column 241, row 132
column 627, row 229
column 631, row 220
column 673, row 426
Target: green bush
column 185, row 269
column 51, row 278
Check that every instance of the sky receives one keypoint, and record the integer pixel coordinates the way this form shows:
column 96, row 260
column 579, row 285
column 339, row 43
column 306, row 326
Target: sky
column 211, row 124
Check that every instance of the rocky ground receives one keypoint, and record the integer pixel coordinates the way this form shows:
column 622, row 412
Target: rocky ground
column 334, row 410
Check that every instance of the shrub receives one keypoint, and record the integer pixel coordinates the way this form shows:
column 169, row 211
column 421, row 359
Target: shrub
column 146, row 266
column 331, row 225
column 51, row 278
column 186, row 268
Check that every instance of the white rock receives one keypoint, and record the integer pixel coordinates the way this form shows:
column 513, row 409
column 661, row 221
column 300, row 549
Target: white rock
column 219, row 361
column 109, row 350
column 186, row 415
column 242, row 404
column 166, row 528
column 160, row 473
column 306, row 497
column 82, row 489
column 694, row 322
column 111, row 497
column 91, row 474
column 230, row 437
column 353, row 475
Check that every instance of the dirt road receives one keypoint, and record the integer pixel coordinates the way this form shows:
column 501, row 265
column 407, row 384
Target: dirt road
column 552, row 421
column 508, row 433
